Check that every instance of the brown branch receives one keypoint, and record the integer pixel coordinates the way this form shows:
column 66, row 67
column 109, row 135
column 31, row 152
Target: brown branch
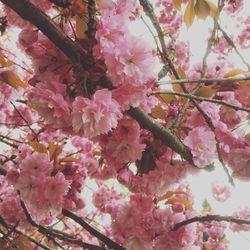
column 23, row 118
column 91, row 19
column 149, row 11
column 209, row 218
column 199, row 98
column 49, row 232
column 107, row 241
column 212, row 127
column 204, row 80
column 162, row 133
column 61, row 3
column 2, row 171
column 8, row 143
column 232, row 44
column 45, row 24
column 31, row 13
column 15, row 230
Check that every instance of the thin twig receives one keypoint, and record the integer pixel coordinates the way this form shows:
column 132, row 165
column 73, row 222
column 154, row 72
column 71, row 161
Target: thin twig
column 23, row 118
column 110, row 243
column 203, row 80
column 199, row 98
column 232, row 44
column 58, row 234
column 149, row 10
column 209, row 218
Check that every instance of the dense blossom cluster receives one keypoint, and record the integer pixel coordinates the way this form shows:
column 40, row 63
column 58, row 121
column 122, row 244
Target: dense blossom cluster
column 70, row 127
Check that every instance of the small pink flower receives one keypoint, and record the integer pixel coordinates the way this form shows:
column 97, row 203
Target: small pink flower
column 96, row 116
column 221, row 193
column 52, row 107
column 54, row 189
column 202, row 143
column 36, row 164
column 27, row 37
column 243, row 213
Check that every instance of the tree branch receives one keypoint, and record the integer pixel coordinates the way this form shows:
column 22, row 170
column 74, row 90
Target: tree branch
column 149, row 11
column 209, row 218
column 107, row 241
column 15, row 230
column 199, row 98
column 31, row 13
column 162, row 133
column 2, row 171
column 45, row 24
column 232, row 44
column 61, row 3
column 49, row 232
column 204, row 80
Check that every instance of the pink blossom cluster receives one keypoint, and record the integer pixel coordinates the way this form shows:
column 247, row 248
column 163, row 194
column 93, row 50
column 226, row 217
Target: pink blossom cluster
column 243, row 213
column 96, row 116
column 228, row 116
column 201, row 139
column 75, row 174
column 234, row 6
column 49, row 95
column 141, row 223
column 7, row 94
column 221, row 193
column 42, row 191
column 244, row 36
column 182, row 54
column 107, row 200
column 165, row 175
column 10, row 207
column 130, row 61
column 123, row 145
column 222, row 48
column 169, row 17
column 213, row 235
column 202, row 144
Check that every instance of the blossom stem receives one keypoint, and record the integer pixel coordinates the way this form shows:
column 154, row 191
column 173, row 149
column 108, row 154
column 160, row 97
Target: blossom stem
column 203, row 80
column 199, row 98
column 110, row 243
column 209, row 218
column 49, row 232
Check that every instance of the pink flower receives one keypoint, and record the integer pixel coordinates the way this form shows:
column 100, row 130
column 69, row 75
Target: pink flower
column 36, row 164
column 54, row 190
column 133, row 64
column 52, row 107
column 202, row 144
column 211, row 109
column 243, row 213
column 129, row 95
column 230, row 116
column 239, row 161
column 27, row 37
column 221, row 193
column 96, row 116
column 10, row 208
column 36, row 50
column 124, row 144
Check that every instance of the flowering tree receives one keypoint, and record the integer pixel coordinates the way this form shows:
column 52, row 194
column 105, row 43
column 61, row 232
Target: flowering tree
column 89, row 104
